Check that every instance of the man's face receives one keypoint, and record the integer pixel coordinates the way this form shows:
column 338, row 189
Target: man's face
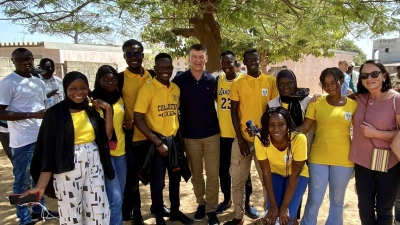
column 163, row 69
column 23, row 61
column 133, row 56
column 252, row 62
column 227, row 63
column 343, row 67
column 197, row 60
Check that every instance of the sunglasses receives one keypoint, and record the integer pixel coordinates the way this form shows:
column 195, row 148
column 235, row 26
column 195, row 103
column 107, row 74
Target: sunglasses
column 373, row 74
column 23, row 59
column 133, row 54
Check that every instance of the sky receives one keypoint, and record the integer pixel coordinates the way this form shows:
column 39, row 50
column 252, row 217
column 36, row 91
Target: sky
column 17, row 33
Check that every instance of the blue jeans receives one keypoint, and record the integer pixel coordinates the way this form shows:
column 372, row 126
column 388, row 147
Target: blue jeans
column 338, row 178
column 280, row 184
column 115, row 189
column 21, row 160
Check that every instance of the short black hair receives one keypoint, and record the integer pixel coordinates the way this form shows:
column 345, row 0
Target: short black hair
column 334, row 71
column 132, row 42
column 47, row 64
column 21, row 50
column 198, row 47
column 387, row 84
column 227, row 52
column 237, row 64
column 248, row 51
column 161, row 56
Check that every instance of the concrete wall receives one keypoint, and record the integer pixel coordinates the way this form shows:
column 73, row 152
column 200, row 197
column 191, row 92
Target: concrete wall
column 309, row 70
column 87, row 68
column 387, row 50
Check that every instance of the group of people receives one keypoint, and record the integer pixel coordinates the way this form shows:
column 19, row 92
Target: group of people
column 89, row 148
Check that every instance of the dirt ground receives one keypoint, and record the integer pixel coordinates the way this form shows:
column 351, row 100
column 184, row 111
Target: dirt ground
column 188, row 201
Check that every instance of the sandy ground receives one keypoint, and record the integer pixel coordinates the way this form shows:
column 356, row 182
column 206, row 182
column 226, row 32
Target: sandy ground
column 188, row 201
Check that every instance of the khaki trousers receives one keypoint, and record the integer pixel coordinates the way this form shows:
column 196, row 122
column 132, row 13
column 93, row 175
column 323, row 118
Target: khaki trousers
column 208, row 149
column 240, row 170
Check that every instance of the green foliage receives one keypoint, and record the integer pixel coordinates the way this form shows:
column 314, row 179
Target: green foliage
column 350, row 46
column 279, row 29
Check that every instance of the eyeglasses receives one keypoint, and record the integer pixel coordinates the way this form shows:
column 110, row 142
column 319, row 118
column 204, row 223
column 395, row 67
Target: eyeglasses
column 373, row 74
column 133, row 54
column 23, row 59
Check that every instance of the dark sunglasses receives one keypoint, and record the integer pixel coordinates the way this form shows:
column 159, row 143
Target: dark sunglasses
column 373, row 74
column 133, row 54
column 23, row 59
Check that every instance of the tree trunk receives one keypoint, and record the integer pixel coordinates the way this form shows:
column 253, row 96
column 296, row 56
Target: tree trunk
column 263, row 62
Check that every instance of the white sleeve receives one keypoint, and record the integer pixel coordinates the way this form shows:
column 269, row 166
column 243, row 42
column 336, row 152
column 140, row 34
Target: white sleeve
column 6, row 92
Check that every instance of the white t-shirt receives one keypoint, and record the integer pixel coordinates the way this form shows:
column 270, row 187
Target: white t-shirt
column 22, row 94
column 52, row 84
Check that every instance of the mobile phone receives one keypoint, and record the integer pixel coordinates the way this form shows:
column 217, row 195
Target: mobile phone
column 16, row 200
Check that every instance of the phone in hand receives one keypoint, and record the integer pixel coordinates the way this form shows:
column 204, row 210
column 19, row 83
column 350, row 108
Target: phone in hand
column 16, row 200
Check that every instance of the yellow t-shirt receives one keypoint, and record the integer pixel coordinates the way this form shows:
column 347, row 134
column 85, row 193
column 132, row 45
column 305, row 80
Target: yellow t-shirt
column 278, row 159
column 83, row 129
column 118, row 120
column 253, row 95
column 160, row 104
column 132, row 84
column 331, row 145
column 224, row 106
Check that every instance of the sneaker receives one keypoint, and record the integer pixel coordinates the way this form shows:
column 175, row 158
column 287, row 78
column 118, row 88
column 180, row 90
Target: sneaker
column 200, row 213
column 47, row 215
column 234, row 222
column 252, row 212
column 222, row 207
column 212, row 218
column 179, row 216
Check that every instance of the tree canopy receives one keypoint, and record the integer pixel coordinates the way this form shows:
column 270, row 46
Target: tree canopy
column 278, row 29
column 349, row 45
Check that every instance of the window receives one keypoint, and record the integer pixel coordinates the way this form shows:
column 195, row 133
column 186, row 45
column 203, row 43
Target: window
column 386, row 50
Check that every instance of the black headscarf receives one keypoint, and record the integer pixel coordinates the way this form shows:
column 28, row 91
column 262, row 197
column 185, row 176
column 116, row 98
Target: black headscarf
column 293, row 99
column 99, row 92
column 68, row 79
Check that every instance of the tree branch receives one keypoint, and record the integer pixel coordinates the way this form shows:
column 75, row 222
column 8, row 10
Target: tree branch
column 184, row 32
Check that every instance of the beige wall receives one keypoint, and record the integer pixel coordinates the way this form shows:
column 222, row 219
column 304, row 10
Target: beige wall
column 87, row 68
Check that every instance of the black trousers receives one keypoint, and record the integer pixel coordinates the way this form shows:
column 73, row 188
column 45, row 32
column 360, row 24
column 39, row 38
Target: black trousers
column 157, row 185
column 132, row 202
column 5, row 142
column 224, row 165
column 376, row 190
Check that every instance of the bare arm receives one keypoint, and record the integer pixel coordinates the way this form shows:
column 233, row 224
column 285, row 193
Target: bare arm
column 297, row 167
column 40, row 186
column 141, row 124
column 369, row 131
column 244, row 147
column 108, row 117
column 13, row 116
column 306, row 125
column 273, row 211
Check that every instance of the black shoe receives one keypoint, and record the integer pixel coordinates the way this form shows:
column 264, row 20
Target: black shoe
column 47, row 215
column 179, row 216
column 212, row 218
column 222, row 207
column 166, row 211
column 161, row 223
column 200, row 213
column 127, row 217
column 252, row 212
column 137, row 219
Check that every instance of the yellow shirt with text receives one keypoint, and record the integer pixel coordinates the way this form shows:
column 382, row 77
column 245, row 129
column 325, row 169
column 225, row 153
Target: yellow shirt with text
column 160, row 105
column 132, row 84
column 331, row 145
column 83, row 129
column 253, row 95
column 280, row 161
column 224, row 106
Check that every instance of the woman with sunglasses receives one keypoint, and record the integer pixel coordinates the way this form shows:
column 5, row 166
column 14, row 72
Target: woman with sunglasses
column 375, row 125
column 328, row 161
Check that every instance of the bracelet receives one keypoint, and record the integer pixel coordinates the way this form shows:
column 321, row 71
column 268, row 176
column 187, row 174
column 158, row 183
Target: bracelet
column 161, row 143
column 27, row 116
column 240, row 141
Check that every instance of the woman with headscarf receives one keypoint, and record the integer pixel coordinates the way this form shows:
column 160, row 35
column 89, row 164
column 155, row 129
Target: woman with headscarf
column 105, row 88
column 72, row 151
column 294, row 100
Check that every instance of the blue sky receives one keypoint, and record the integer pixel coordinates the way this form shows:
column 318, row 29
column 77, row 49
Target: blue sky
column 14, row 33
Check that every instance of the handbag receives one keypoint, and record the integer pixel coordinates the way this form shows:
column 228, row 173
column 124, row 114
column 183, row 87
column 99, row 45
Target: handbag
column 380, row 157
column 113, row 142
